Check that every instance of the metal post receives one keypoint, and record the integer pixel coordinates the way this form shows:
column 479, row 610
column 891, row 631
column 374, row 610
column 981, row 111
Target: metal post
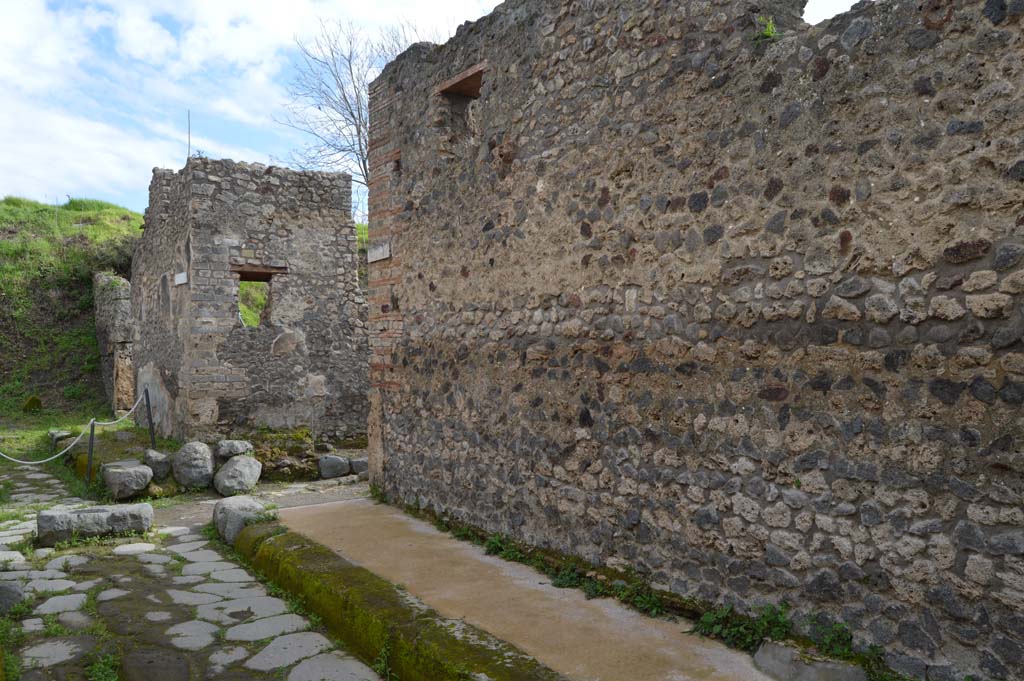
column 149, row 419
column 92, row 438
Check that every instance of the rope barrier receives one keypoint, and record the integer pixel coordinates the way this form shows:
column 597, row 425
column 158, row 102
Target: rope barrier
column 88, row 427
column 124, row 416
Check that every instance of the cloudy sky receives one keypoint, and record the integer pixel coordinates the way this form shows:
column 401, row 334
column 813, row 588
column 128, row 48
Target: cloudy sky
column 95, row 92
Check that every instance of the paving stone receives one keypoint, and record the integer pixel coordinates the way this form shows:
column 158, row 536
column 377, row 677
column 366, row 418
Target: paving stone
column 11, row 557
column 42, row 553
column 85, row 586
column 206, row 568
column 61, row 604
column 132, row 549
column 45, row 574
column 56, row 652
column 266, row 628
column 231, row 590
column 191, row 597
column 32, row 625
column 189, row 538
column 111, row 594
column 152, row 663
column 67, row 562
column 154, row 558
column 158, row 616
column 174, row 531
column 205, row 556
column 222, row 659
column 242, row 609
column 188, row 546
column 287, row 650
column 235, row 575
column 50, row 585
column 187, row 579
column 75, row 620
column 193, row 635
column 331, row 667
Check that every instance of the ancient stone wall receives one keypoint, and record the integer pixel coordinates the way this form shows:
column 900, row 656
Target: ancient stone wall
column 744, row 315
column 212, row 225
column 112, row 296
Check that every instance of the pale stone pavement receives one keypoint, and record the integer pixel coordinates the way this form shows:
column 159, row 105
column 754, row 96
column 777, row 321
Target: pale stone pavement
column 171, row 607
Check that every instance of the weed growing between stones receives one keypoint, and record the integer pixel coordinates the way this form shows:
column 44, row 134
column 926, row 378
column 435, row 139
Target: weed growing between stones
column 378, row 494
column 382, row 665
column 77, row 541
column 745, row 633
column 11, row 637
column 104, row 668
column 51, row 627
column 833, row 639
column 768, row 30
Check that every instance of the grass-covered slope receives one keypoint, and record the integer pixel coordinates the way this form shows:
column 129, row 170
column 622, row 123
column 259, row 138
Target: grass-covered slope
column 47, row 329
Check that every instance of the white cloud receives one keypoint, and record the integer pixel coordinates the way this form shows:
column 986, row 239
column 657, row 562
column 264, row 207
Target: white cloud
column 91, row 85
column 49, row 152
column 40, row 49
column 141, row 37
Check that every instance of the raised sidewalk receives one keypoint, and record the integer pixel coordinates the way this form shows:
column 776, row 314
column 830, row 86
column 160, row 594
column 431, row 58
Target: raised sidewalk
column 583, row 640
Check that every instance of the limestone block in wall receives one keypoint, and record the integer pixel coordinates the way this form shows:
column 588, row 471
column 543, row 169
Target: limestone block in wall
column 115, row 330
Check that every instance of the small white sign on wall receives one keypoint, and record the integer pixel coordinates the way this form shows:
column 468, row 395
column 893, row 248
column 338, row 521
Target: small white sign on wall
column 180, row 278
column 378, row 251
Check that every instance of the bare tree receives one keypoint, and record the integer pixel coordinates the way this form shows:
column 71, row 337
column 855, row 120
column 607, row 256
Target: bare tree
column 329, row 96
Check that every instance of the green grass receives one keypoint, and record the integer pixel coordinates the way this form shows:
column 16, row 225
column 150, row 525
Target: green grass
column 767, row 30
column 252, row 300
column 26, row 438
column 362, row 235
column 104, row 668
column 48, row 255
column 746, row 633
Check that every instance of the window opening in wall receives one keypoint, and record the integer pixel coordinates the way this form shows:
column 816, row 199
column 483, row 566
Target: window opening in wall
column 459, row 93
column 252, row 301
column 255, row 294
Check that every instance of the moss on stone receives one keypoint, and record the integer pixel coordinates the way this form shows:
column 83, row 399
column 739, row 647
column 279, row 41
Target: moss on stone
column 366, row 612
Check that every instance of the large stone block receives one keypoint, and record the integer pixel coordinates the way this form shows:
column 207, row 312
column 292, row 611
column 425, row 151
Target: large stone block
column 192, row 466
column 226, row 449
column 11, row 593
column 333, row 466
column 159, row 462
column 239, row 475
column 231, row 515
column 125, row 479
column 55, row 526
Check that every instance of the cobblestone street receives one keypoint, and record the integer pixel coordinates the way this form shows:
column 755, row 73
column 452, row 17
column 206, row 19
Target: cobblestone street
column 171, row 607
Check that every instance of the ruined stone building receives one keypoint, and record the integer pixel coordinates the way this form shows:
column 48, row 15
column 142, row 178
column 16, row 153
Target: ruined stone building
column 739, row 311
column 211, row 226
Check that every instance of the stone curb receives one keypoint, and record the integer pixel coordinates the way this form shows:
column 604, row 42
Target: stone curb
column 365, row 612
column 786, row 663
